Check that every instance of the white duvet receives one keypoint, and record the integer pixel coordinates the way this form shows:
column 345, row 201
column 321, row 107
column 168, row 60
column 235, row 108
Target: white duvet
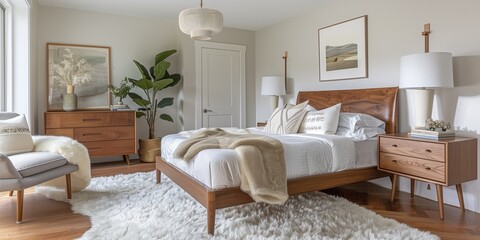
column 305, row 155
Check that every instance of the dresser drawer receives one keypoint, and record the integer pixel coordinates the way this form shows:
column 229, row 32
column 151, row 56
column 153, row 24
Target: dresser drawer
column 103, row 133
column 432, row 170
column 425, row 150
column 114, row 147
column 88, row 119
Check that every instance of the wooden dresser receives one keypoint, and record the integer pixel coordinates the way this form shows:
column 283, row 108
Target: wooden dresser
column 104, row 133
column 443, row 162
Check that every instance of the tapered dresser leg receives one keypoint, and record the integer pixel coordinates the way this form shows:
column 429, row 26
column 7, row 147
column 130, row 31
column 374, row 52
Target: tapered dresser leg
column 19, row 206
column 10, row 193
column 394, row 188
column 159, row 176
column 460, row 196
column 440, row 199
column 412, row 188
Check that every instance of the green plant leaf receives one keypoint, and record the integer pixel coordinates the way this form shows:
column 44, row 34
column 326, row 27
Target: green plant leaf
column 152, row 71
column 165, row 102
column 166, row 117
column 140, row 114
column 142, row 70
column 142, row 102
column 176, row 79
column 160, row 69
column 144, row 84
column 134, row 96
column 163, row 55
column 159, row 85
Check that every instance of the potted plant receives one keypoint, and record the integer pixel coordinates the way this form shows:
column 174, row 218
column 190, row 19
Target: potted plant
column 122, row 91
column 152, row 81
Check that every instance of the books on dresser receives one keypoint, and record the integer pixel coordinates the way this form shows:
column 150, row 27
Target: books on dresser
column 424, row 133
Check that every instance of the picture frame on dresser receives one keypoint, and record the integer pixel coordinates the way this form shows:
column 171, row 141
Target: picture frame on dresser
column 343, row 50
column 95, row 95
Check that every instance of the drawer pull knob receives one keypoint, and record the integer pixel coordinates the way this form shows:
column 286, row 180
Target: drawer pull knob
column 91, row 119
column 395, row 161
column 428, row 168
column 428, row 150
column 91, row 134
column 394, row 145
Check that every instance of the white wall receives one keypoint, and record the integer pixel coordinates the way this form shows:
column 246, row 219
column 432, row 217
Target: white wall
column 128, row 37
column 187, row 68
column 394, row 30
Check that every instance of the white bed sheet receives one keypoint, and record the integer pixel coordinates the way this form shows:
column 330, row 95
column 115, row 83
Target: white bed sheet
column 305, row 155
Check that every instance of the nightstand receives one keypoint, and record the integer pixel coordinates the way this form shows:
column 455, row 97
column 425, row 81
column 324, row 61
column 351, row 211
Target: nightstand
column 442, row 162
column 261, row 124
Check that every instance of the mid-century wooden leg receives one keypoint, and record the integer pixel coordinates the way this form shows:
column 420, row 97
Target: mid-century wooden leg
column 394, row 187
column 460, row 196
column 10, row 193
column 211, row 213
column 69, row 186
column 440, row 199
column 412, row 188
column 127, row 159
column 19, row 206
column 159, row 176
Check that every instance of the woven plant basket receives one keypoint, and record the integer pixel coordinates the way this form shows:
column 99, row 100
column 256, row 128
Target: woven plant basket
column 149, row 149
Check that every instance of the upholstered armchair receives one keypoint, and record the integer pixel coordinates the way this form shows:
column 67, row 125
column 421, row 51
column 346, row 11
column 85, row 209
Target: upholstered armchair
column 20, row 170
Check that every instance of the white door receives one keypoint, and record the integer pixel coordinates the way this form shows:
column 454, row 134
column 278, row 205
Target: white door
column 220, row 85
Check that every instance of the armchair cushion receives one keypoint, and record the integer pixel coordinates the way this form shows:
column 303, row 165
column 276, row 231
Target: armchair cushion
column 29, row 164
column 15, row 136
column 7, row 170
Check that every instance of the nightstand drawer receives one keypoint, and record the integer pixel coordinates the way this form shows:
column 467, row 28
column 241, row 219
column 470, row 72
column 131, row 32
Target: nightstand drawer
column 413, row 166
column 425, row 150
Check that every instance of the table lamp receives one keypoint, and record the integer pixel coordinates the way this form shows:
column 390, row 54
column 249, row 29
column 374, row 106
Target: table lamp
column 273, row 86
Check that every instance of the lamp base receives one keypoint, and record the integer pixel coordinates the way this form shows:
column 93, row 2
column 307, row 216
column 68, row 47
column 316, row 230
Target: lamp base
column 423, row 104
column 273, row 102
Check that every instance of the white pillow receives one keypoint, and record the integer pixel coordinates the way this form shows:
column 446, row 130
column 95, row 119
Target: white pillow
column 324, row 121
column 354, row 121
column 15, row 136
column 362, row 133
column 286, row 119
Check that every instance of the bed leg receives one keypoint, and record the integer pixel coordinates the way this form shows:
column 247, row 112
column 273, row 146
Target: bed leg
column 159, row 175
column 211, row 213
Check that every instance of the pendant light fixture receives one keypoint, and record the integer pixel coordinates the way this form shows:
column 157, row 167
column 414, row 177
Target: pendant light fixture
column 200, row 23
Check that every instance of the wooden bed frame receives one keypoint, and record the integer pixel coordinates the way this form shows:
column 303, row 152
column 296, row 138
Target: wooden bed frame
column 378, row 102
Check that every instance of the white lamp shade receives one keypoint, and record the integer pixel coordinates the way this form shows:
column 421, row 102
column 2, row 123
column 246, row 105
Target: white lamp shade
column 426, row 70
column 200, row 23
column 273, row 85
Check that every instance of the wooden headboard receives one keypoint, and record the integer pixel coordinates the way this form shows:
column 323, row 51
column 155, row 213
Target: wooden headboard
column 378, row 102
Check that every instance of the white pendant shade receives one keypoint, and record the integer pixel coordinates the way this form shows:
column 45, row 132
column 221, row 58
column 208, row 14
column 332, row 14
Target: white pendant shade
column 200, row 23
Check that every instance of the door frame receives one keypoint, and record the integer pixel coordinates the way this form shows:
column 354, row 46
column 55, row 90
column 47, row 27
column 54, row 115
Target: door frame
column 199, row 45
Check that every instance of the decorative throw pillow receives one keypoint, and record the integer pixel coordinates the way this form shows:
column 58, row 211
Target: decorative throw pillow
column 324, row 121
column 15, row 136
column 286, row 119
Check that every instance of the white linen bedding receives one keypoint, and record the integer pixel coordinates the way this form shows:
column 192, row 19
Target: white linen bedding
column 305, row 155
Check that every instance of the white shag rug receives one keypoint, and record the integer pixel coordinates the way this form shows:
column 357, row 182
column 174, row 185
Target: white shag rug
column 135, row 207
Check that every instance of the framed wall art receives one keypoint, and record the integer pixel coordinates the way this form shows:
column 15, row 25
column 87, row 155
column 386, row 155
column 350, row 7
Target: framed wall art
column 83, row 69
column 343, row 49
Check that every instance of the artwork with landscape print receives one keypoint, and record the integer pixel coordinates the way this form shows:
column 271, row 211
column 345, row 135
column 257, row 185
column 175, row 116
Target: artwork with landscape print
column 92, row 92
column 343, row 50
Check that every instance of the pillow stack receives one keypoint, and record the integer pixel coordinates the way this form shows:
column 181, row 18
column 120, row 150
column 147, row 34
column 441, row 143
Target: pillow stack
column 359, row 126
column 15, row 136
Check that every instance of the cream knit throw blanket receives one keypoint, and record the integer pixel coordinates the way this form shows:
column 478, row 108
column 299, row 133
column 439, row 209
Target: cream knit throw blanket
column 262, row 163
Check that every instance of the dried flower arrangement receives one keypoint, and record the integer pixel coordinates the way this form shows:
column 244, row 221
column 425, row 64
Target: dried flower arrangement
column 72, row 71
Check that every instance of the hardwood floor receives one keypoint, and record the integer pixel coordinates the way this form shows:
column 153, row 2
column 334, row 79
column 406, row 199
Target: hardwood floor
column 49, row 219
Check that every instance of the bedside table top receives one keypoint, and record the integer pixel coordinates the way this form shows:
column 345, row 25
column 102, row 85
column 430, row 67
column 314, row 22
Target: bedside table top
column 406, row 136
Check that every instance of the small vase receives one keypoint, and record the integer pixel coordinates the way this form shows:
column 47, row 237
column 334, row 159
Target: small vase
column 69, row 100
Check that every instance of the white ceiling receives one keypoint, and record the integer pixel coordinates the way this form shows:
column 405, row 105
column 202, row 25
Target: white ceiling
column 242, row 14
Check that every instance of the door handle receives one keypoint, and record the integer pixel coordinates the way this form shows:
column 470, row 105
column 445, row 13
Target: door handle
column 206, row 110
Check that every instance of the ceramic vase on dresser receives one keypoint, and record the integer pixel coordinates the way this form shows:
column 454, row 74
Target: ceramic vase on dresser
column 70, row 99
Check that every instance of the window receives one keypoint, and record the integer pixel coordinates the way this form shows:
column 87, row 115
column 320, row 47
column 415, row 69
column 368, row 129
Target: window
column 3, row 91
